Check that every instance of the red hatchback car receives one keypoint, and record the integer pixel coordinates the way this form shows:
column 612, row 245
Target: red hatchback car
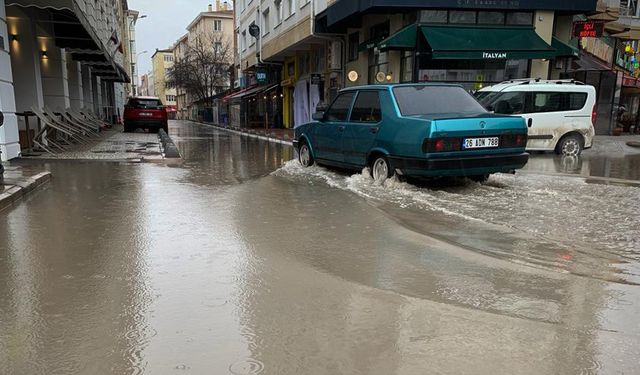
column 145, row 112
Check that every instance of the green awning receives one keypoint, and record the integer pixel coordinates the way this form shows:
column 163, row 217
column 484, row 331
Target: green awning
column 369, row 44
column 486, row 43
column 403, row 39
column 563, row 49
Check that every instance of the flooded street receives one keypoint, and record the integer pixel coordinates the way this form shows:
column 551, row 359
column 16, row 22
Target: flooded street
column 239, row 261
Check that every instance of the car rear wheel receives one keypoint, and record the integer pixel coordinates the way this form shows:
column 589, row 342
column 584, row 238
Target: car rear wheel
column 305, row 157
column 570, row 145
column 380, row 169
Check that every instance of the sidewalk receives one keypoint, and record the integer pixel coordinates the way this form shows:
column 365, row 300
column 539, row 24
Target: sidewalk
column 114, row 145
column 19, row 181
column 282, row 136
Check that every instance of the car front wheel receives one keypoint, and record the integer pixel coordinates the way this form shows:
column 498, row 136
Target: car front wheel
column 380, row 169
column 305, row 157
column 570, row 145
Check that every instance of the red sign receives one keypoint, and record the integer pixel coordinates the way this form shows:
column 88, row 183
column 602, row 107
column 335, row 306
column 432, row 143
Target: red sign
column 588, row 29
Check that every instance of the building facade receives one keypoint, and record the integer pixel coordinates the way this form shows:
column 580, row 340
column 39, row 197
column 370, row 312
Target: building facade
column 162, row 61
column 59, row 54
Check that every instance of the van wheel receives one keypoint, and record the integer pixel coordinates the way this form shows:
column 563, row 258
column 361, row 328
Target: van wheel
column 381, row 169
column 570, row 145
column 305, row 157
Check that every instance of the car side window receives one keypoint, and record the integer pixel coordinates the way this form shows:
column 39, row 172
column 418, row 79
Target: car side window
column 367, row 107
column 547, row 102
column 509, row 103
column 339, row 110
column 577, row 100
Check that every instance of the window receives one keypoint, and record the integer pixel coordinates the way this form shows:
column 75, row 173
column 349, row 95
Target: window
column 339, row 110
column 243, row 41
column 577, row 100
column 144, row 103
column 406, row 66
column 217, row 46
column 547, row 102
column 217, row 25
column 292, row 7
column 429, row 100
column 520, row 18
column 279, row 12
column 265, row 22
column 354, row 44
column 171, row 98
column 464, row 17
column 490, row 18
column 378, row 62
column 433, row 16
column 367, row 107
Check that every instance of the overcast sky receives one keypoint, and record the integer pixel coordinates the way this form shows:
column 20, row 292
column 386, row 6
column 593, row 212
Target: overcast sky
column 166, row 21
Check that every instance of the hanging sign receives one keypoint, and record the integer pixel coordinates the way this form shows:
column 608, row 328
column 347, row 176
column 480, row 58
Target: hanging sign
column 588, row 29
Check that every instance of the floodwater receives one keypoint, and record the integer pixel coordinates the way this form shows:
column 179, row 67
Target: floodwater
column 239, row 261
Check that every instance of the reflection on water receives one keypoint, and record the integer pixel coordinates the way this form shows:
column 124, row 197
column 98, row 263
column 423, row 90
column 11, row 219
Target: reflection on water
column 625, row 167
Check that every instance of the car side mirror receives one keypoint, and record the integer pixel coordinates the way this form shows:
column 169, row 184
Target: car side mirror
column 318, row 116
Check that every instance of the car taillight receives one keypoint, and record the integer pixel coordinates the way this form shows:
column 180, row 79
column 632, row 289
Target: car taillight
column 521, row 140
column 594, row 115
column 441, row 145
column 513, row 140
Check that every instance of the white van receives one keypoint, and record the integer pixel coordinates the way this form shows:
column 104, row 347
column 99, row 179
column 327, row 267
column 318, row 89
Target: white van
column 560, row 114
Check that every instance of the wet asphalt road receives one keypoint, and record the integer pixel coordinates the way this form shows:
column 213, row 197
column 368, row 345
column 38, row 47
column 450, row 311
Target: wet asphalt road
column 241, row 262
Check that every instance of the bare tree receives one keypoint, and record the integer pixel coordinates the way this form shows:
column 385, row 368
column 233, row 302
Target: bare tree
column 204, row 70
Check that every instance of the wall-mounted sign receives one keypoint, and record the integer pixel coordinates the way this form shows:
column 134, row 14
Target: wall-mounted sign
column 588, row 29
column 254, row 30
column 261, row 77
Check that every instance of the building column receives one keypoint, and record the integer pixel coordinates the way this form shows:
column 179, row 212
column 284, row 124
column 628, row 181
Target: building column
column 9, row 141
column 97, row 95
column 55, row 85
column 543, row 23
column 87, row 87
column 74, row 79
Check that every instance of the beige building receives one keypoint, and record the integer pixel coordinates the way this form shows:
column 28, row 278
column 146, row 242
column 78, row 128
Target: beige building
column 215, row 22
column 162, row 61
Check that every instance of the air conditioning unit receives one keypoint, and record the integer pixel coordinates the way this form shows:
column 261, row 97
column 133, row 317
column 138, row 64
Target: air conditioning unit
column 335, row 56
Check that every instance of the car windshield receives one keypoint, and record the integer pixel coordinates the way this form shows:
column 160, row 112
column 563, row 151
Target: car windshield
column 145, row 103
column 429, row 100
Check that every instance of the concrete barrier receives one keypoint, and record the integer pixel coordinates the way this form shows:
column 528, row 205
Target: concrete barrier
column 169, row 148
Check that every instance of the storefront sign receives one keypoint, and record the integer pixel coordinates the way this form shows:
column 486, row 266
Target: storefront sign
column 494, row 55
column 261, row 77
column 588, row 29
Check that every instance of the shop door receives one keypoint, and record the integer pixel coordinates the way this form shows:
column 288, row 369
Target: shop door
column 362, row 129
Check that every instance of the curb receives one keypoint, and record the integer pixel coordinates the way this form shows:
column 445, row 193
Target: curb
column 169, row 148
column 22, row 188
column 247, row 134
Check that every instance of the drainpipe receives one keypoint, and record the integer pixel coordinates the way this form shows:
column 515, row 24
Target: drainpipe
column 260, row 36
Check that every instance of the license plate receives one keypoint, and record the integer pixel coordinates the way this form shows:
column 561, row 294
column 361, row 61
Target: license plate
column 146, row 114
column 481, row 142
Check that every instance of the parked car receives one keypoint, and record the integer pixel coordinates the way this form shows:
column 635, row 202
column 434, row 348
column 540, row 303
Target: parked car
column 145, row 112
column 417, row 130
column 560, row 114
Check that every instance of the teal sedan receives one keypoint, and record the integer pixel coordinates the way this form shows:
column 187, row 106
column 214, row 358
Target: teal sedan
column 413, row 130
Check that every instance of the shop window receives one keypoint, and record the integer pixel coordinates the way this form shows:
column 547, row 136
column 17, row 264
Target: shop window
column 339, row 110
column 354, row 43
column 520, row 18
column 406, row 65
column 490, row 18
column 378, row 62
column 367, row 107
column 462, row 17
column 433, row 16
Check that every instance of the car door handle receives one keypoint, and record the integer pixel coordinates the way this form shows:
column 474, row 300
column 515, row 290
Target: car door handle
column 530, row 122
column 340, row 128
column 373, row 129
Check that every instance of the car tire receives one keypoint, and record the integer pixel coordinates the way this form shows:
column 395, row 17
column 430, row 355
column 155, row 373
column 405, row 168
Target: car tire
column 570, row 145
column 304, row 155
column 481, row 178
column 380, row 169
column 127, row 129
